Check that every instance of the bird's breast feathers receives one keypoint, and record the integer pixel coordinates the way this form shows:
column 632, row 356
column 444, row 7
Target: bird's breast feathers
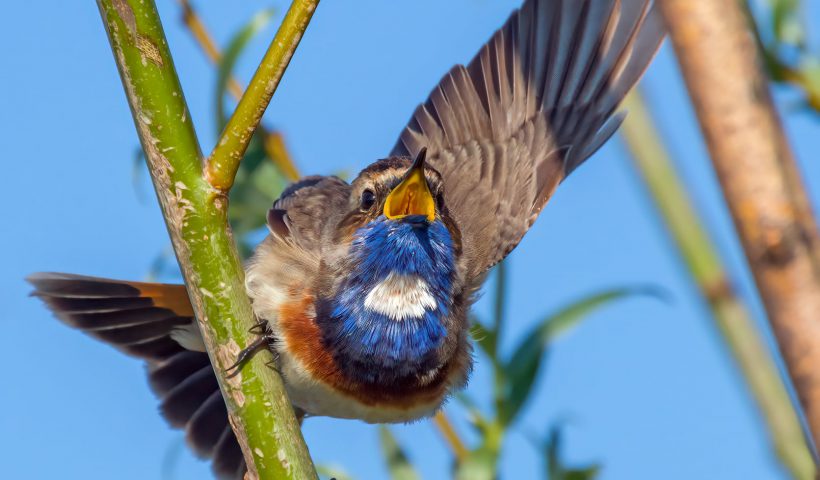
column 375, row 349
column 401, row 297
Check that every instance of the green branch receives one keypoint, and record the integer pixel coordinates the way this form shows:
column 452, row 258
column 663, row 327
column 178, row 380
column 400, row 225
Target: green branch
column 224, row 160
column 704, row 265
column 196, row 216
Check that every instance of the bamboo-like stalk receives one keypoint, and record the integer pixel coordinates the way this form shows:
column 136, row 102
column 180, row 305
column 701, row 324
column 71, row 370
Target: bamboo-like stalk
column 719, row 61
column 196, row 217
column 704, row 265
column 224, row 160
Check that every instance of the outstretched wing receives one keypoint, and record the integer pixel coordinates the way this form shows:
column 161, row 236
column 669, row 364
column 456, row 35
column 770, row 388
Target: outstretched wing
column 154, row 322
column 535, row 102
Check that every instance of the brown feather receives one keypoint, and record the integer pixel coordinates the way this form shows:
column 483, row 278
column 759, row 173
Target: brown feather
column 138, row 318
column 535, row 102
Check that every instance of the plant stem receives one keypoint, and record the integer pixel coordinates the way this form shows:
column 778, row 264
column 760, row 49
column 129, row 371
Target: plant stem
column 274, row 143
column 196, row 218
column 703, row 263
column 719, row 61
column 224, row 160
column 206, row 42
column 450, row 436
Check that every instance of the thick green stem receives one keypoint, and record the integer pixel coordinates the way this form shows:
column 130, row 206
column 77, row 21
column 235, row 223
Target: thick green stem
column 196, row 216
column 224, row 160
column 702, row 261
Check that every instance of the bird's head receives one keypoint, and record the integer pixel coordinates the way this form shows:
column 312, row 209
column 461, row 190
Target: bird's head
column 400, row 190
column 396, row 284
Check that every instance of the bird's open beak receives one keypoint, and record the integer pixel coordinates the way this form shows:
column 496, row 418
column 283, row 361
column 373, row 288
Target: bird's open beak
column 412, row 197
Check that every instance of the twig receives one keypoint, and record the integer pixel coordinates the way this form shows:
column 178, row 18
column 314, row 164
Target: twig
column 205, row 40
column 274, row 143
column 450, row 435
column 259, row 411
column 223, row 162
column 703, row 262
column 719, row 61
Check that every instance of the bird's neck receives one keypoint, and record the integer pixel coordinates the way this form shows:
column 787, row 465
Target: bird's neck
column 388, row 316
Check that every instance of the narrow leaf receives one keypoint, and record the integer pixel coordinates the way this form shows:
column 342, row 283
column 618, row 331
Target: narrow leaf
column 555, row 465
column 483, row 336
column 332, row 472
column 235, row 48
column 500, row 302
column 526, row 361
column 480, row 464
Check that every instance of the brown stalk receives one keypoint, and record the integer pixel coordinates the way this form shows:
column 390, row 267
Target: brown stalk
column 759, row 177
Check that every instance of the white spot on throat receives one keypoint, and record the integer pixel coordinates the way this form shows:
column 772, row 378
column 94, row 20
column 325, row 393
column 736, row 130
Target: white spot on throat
column 400, row 297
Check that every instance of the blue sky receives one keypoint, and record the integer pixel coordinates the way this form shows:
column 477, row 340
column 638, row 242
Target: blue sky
column 648, row 388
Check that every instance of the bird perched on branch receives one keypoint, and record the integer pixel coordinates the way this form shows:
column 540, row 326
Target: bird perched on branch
column 363, row 289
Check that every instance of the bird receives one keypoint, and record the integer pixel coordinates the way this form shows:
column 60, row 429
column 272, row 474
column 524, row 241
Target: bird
column 363, row 289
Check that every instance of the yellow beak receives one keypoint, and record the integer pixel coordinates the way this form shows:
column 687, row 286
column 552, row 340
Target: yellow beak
column 412, row 196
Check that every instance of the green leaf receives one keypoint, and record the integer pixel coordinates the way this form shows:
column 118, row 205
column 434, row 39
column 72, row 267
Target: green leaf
column 237, row 44
column 475, row 416
column 483, row 336
column 480, row 464
column 526, row 361
column 397, row 462
column 786, row 22
column 332, row 472
column 500, row 302
column 555, row 466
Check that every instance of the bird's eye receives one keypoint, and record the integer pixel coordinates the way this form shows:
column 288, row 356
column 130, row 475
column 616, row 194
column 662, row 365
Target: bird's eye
column 368, row 199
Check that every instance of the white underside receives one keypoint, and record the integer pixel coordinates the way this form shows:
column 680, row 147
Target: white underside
column 316, row 398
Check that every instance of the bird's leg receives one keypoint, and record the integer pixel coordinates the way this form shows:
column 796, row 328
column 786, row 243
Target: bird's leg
column 265, row 339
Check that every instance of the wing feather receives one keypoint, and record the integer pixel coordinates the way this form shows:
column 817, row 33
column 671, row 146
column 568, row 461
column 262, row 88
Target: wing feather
column 535, row 102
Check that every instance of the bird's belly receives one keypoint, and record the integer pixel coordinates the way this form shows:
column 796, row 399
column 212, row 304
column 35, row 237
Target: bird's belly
column 320, row 399
column 316, row 383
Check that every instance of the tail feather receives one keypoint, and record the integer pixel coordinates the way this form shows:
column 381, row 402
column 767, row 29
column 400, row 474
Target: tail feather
column 141, row 319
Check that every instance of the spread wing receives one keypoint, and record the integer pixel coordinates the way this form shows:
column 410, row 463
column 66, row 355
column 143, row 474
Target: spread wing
column 154, row 322
column 536, row 101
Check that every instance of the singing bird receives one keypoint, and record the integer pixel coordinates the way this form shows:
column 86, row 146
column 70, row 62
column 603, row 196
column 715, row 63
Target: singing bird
column 363, row 289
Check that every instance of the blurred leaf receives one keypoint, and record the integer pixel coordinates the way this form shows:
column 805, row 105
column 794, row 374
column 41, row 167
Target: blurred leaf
column 480, row 464
column 484, row 337
column 170, row 460
column 475, row 416
column 522, row 368
column 258, row 184
column 499, row 303
column 231, row 55
column 556, row 468
column 786, row 23
column 397, row 462
column 332, row 472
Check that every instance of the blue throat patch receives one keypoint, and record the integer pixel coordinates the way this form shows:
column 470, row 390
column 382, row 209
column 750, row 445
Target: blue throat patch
column 370, row 342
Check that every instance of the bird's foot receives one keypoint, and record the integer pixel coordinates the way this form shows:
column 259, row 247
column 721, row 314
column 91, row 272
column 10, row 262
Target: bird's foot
column 247, row 353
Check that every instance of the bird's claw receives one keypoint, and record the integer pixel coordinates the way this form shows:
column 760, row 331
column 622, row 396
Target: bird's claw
column 245, row 355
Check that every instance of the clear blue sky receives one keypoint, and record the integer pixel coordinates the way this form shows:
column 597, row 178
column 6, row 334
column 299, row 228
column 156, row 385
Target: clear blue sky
column 649, row 389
